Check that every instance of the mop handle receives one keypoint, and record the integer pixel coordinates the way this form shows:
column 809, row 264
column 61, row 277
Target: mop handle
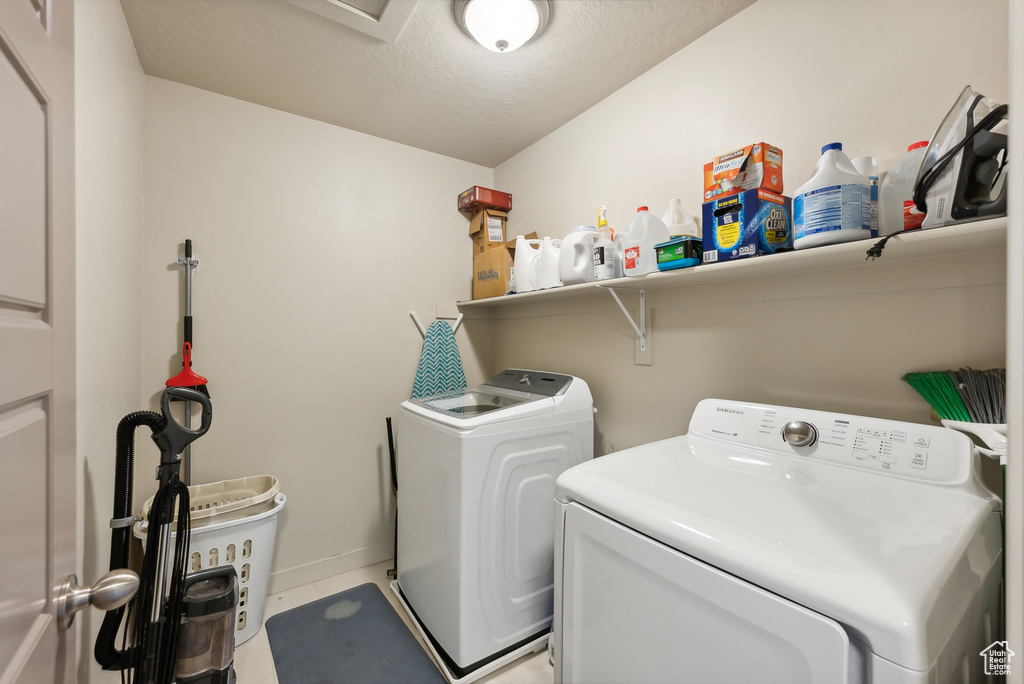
column 189, row 266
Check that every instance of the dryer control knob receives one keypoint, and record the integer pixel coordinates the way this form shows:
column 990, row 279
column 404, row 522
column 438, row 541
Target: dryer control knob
column 800, row 433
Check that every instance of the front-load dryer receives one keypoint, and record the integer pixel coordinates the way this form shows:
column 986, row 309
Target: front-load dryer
column 476, row 481
column 774, row 544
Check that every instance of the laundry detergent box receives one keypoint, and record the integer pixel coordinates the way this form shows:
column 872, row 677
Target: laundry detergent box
column 492, row 270
column 487, row 228
column 751, row 223
column 755, row 166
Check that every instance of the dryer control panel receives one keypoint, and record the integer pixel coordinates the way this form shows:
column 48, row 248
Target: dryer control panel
column 912, row 450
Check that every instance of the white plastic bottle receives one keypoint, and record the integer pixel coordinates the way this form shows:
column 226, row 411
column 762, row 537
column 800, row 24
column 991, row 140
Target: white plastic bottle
column 604, row 248
column 895, row 199
column 678, row 221
column 547, row 265
column 524, row 266
column 868, row 166
column 834, row 205
column 576, row 256
column 635, row 244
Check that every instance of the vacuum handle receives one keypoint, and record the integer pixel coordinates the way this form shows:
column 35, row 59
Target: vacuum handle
column 175, row 437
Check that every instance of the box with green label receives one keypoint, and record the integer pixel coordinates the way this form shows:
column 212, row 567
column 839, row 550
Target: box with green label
column 751, row 223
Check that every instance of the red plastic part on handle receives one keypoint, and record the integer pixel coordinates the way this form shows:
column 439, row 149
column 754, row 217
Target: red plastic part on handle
column 186, row 378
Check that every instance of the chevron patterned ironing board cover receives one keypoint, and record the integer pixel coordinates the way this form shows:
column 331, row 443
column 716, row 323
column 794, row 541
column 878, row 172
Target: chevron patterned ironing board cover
column 440, row 368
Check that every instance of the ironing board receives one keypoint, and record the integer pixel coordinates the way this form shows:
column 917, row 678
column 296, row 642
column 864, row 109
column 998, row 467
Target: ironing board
column 440, row 368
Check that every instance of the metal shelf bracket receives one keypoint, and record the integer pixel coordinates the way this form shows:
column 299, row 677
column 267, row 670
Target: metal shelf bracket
column 643, row 351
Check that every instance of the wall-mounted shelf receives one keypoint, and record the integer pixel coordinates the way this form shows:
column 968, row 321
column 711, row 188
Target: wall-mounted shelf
column 980, row 236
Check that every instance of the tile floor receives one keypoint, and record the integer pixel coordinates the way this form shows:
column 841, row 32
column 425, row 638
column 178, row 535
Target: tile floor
column 254, row 663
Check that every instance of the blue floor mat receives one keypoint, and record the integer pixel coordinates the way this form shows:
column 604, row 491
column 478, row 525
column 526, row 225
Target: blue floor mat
column 355, row 636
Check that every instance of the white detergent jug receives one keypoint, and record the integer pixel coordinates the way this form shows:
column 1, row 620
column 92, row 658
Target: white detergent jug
column 896, row 209
column 634, row 246
column 524, row 265
column 547, row 265
column 576, row 260
column 678, row 221
column 834, row 205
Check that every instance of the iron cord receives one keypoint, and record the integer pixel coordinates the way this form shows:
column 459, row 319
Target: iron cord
column 876, row 249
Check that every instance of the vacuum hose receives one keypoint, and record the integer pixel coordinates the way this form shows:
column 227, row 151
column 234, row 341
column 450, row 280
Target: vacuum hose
column 106, row 652
column 155, row 612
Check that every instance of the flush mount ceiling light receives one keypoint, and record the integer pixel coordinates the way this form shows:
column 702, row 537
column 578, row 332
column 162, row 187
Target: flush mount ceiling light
column 502, row 25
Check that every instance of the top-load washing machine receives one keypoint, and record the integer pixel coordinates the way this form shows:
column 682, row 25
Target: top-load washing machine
column 779, row 545
column 476, row 481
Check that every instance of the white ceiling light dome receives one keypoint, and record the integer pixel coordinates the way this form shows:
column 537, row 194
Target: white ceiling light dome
column 502, row 25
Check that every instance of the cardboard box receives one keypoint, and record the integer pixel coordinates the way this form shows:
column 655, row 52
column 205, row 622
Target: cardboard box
column 749, row 224
column 492, row 270
column 755, row 166
column 477, row 198
column 487, row 228
column 492, row 273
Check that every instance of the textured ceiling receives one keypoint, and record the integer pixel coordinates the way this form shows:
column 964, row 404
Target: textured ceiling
column 432, row 88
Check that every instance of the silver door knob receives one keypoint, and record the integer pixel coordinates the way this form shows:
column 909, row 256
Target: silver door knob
column 799, row 433
column 111, row 591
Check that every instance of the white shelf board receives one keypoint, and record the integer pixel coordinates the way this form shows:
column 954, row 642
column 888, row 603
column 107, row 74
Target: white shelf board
column 978, row 236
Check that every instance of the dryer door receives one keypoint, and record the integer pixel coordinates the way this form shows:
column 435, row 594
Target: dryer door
column 634, row 610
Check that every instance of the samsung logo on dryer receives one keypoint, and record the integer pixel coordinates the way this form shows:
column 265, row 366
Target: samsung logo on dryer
column 725, row 409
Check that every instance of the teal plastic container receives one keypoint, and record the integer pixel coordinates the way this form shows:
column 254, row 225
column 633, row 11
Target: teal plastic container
column 679, row 252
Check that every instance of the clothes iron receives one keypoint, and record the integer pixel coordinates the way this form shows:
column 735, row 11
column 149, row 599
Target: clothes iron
column 963, row 174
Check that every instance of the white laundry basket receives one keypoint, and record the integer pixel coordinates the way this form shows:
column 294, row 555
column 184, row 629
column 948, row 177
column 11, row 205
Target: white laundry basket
column 233, row 522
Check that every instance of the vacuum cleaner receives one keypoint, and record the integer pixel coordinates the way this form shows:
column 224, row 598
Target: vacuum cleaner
column 178, row 627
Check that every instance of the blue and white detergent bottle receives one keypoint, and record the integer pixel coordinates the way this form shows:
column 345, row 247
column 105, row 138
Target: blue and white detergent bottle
column 834, row 205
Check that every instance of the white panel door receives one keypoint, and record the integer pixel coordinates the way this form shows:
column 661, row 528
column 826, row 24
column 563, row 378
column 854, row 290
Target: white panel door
column 37, row 336
column 634, row 610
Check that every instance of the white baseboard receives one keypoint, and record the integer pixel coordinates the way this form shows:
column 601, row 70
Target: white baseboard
column 329, row 567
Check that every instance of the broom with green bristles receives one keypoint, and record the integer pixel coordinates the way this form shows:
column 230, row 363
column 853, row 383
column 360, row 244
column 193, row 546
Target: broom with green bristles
column 972, row 401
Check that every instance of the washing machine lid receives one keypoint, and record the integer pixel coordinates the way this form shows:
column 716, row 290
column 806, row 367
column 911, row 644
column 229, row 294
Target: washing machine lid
column 510, row 395
column 863, row 541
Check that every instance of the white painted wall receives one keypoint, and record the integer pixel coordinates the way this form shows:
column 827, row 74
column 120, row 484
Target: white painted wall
column 875, row 75
column 315, row 243
column 648, row 142
column 109, row 96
